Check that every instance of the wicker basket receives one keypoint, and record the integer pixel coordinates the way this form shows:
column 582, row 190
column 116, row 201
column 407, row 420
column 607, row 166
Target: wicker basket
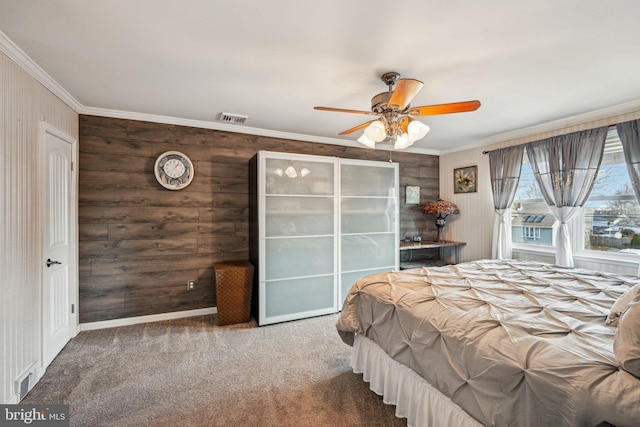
column 234, row 282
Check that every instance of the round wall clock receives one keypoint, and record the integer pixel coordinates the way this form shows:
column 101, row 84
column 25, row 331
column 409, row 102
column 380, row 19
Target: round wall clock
column 173, row 170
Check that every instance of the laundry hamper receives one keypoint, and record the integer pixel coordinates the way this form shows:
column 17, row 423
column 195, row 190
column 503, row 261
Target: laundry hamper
column 234, row 282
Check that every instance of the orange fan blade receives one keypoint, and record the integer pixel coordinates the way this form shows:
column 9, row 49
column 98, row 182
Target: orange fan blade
column 404, row 92
column 404, row 124
column 341, row 110
column 455, row 107
column 362, row 126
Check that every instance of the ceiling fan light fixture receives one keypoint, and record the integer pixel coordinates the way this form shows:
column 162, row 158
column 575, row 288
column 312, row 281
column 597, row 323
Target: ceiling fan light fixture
column 395, row 113
column 366, row 141
column 402, row 141
column 376, row 131
column 417, row 130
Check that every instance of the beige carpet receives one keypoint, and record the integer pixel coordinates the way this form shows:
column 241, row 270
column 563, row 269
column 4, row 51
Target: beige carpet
column 192, row 372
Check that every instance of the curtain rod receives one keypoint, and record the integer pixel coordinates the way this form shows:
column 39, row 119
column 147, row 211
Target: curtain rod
column 525, row 143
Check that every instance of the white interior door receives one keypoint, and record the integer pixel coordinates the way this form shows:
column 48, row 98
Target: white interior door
column 58, row 327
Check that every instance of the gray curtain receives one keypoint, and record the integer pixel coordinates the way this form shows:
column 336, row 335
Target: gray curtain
column 629, row 133
column 565, row 168
column 505, row 165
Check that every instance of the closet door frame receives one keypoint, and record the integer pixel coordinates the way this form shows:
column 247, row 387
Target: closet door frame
column 263, row 281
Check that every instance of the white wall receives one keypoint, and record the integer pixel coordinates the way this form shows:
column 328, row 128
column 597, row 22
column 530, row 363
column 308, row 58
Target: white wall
column 24, row 103
column 474, row 224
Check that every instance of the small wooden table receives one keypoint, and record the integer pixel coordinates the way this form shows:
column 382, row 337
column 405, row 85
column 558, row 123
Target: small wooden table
column 442, row 246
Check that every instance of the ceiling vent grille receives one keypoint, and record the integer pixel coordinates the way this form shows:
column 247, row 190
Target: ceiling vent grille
column 236, row 119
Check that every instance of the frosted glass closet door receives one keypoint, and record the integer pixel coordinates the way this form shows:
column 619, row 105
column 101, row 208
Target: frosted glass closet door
column 368, row 220
column 298, row 242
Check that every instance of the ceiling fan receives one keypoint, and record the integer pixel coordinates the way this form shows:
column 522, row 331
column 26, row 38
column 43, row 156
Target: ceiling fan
column 396, row 121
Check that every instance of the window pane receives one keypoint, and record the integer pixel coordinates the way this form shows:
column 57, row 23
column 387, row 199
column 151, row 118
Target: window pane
column 612, row 214
column 531, row 220
column 527, row 186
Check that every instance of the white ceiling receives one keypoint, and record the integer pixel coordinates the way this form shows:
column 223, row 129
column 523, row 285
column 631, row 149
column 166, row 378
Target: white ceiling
column 528, row 62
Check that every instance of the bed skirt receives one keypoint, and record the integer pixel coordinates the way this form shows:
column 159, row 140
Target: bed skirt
column 415, row 399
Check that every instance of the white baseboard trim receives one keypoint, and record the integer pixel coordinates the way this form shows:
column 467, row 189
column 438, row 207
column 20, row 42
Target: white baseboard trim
column 146, row 319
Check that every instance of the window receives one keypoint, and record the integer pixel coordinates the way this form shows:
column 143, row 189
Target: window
column 611, row 219
column 531, row 233
column 531, row 220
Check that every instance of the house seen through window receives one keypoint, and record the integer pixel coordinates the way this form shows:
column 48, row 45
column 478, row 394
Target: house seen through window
column 531, row 219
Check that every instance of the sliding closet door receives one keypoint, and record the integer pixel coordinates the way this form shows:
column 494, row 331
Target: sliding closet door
column 368, row 220
column 297, row 220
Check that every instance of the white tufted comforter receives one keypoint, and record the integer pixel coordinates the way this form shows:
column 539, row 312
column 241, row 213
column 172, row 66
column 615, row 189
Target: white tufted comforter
column 514, row 343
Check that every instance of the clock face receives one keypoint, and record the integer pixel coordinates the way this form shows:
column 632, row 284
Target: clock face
column 173, row 170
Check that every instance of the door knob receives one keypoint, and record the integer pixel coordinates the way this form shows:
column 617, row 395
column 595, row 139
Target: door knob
column 50, row 263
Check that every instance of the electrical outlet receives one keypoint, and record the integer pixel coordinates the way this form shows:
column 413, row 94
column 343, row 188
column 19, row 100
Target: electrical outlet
column 191, row 285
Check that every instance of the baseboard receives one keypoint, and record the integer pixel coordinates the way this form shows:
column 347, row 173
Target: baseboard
column 146, row 319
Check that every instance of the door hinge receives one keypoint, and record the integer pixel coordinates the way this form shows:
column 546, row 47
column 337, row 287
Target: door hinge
column 73, row 308
column 71, row 166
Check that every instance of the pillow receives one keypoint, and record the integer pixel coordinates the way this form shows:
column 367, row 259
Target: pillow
column 626, row 342
column 621, row 305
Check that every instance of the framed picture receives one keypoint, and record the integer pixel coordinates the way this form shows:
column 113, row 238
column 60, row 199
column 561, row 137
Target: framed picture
column 412, row 195
column 465, row 179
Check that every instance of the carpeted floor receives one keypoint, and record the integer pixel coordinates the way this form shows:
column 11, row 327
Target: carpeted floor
column 191, row 372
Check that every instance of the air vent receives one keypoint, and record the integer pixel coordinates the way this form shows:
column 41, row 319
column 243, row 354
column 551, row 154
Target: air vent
column 25, row 383
column 25, row 386
column 236, row 119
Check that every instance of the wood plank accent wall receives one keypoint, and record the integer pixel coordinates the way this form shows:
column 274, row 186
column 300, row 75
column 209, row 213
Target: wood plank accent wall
column 140, row 243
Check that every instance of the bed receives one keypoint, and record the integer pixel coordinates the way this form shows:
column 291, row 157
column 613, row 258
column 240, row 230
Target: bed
column 498, row 343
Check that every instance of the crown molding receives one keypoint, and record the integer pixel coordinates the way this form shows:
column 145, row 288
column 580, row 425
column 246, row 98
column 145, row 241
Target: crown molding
column 203, row 124
column 559, row 124
column 17, row 55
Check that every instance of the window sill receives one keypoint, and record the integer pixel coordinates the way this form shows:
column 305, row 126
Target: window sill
column 623, row 260
column 617, row 259
column 535, row 249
